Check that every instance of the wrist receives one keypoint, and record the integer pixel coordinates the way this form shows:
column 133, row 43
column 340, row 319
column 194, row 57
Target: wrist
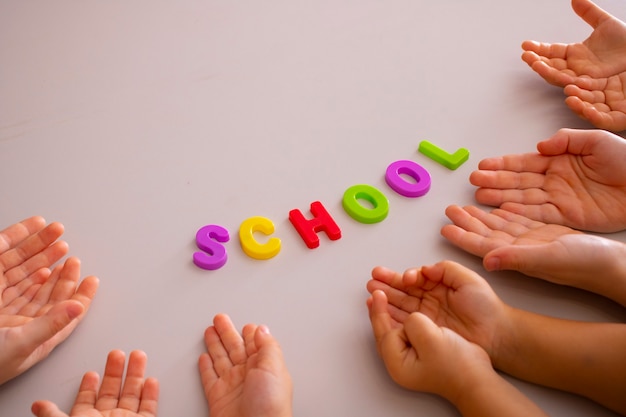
column 610, row 277
column 472, row 386
column 504, row 345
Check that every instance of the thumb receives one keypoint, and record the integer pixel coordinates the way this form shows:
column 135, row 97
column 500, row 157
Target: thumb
column 523, row 259
column 41, row 329
column 46, row 409
column 263, row 338
column 269, row 351
column 590, row 12
column 421, row 331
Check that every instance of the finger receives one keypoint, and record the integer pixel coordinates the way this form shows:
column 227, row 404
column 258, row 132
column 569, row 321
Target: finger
column 525, row 162
column 501, row 225
column 14, row 298
column 511, row 217
column 535, row 210
column 133, row 382
column 39, row 305
column 379, row 318
column 506, row 179
column 21, row 269
column 468, row 222
column 149, row 398
column 422, row 333
column 109, row 393
column 543, row 49
column 248, row 337
column 387, row 276
column 590, row 12
column 517, row 258
column 555, row 72
column 41, row 329
column 16, row 233
column 588, row 95
column 402, row 297
column 87, row 393
column 569, row 141
column 86, row 292
column 208, row 374
column 270, row 355
column 46, row 409
column 231, row 339
column 494, row 197
column 399, row 303
column 450, row 274
column 31, row 245
column 473, row 243
column 218, row 358
column 600, row 115
column 69, row 275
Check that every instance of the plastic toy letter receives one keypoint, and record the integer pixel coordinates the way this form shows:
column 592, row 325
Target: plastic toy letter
column 307, row 229
column 450, row 161
column 249, row 244
column 213, row 255
column 406, row 188
column 365, row 214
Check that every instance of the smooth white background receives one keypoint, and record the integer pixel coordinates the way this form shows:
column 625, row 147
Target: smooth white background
column 135, row 123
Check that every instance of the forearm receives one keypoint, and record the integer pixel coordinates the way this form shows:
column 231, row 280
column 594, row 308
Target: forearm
column 588, row 359
column 493, row 396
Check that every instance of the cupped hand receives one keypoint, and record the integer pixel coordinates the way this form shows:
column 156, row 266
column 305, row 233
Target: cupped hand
column 593, row 72
column 244, row 375
column 559, row 254
column 451, row 295
column 578, row 179
column 132, row 395
column 422, row 356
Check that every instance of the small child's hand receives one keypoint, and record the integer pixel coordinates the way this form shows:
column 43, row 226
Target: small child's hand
column 593, row 72
column 244, row 374
column 39, row 308
column 119, row 395
column 422, row 356
column 508, row 241
column 578, row 179
column 451, row 295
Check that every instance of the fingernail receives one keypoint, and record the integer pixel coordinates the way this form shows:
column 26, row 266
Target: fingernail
column 492, row 264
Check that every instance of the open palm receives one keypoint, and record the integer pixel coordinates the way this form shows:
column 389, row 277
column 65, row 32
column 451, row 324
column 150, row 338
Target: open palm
column 39, row 308
column 593, row 72
column 117, row 396
column 552, row 252
column 578, row 180
column 244, row 375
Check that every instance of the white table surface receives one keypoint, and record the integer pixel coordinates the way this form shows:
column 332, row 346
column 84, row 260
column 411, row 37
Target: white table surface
column 135, row 123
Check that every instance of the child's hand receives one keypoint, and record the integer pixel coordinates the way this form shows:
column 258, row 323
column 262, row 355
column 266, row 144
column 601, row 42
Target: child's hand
column 244, row 375
column 552, row 252
column 39, row 308
column 578, row 179
column 593, row 72
column 422, row 356
column 118, row 396
column 451, row 295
